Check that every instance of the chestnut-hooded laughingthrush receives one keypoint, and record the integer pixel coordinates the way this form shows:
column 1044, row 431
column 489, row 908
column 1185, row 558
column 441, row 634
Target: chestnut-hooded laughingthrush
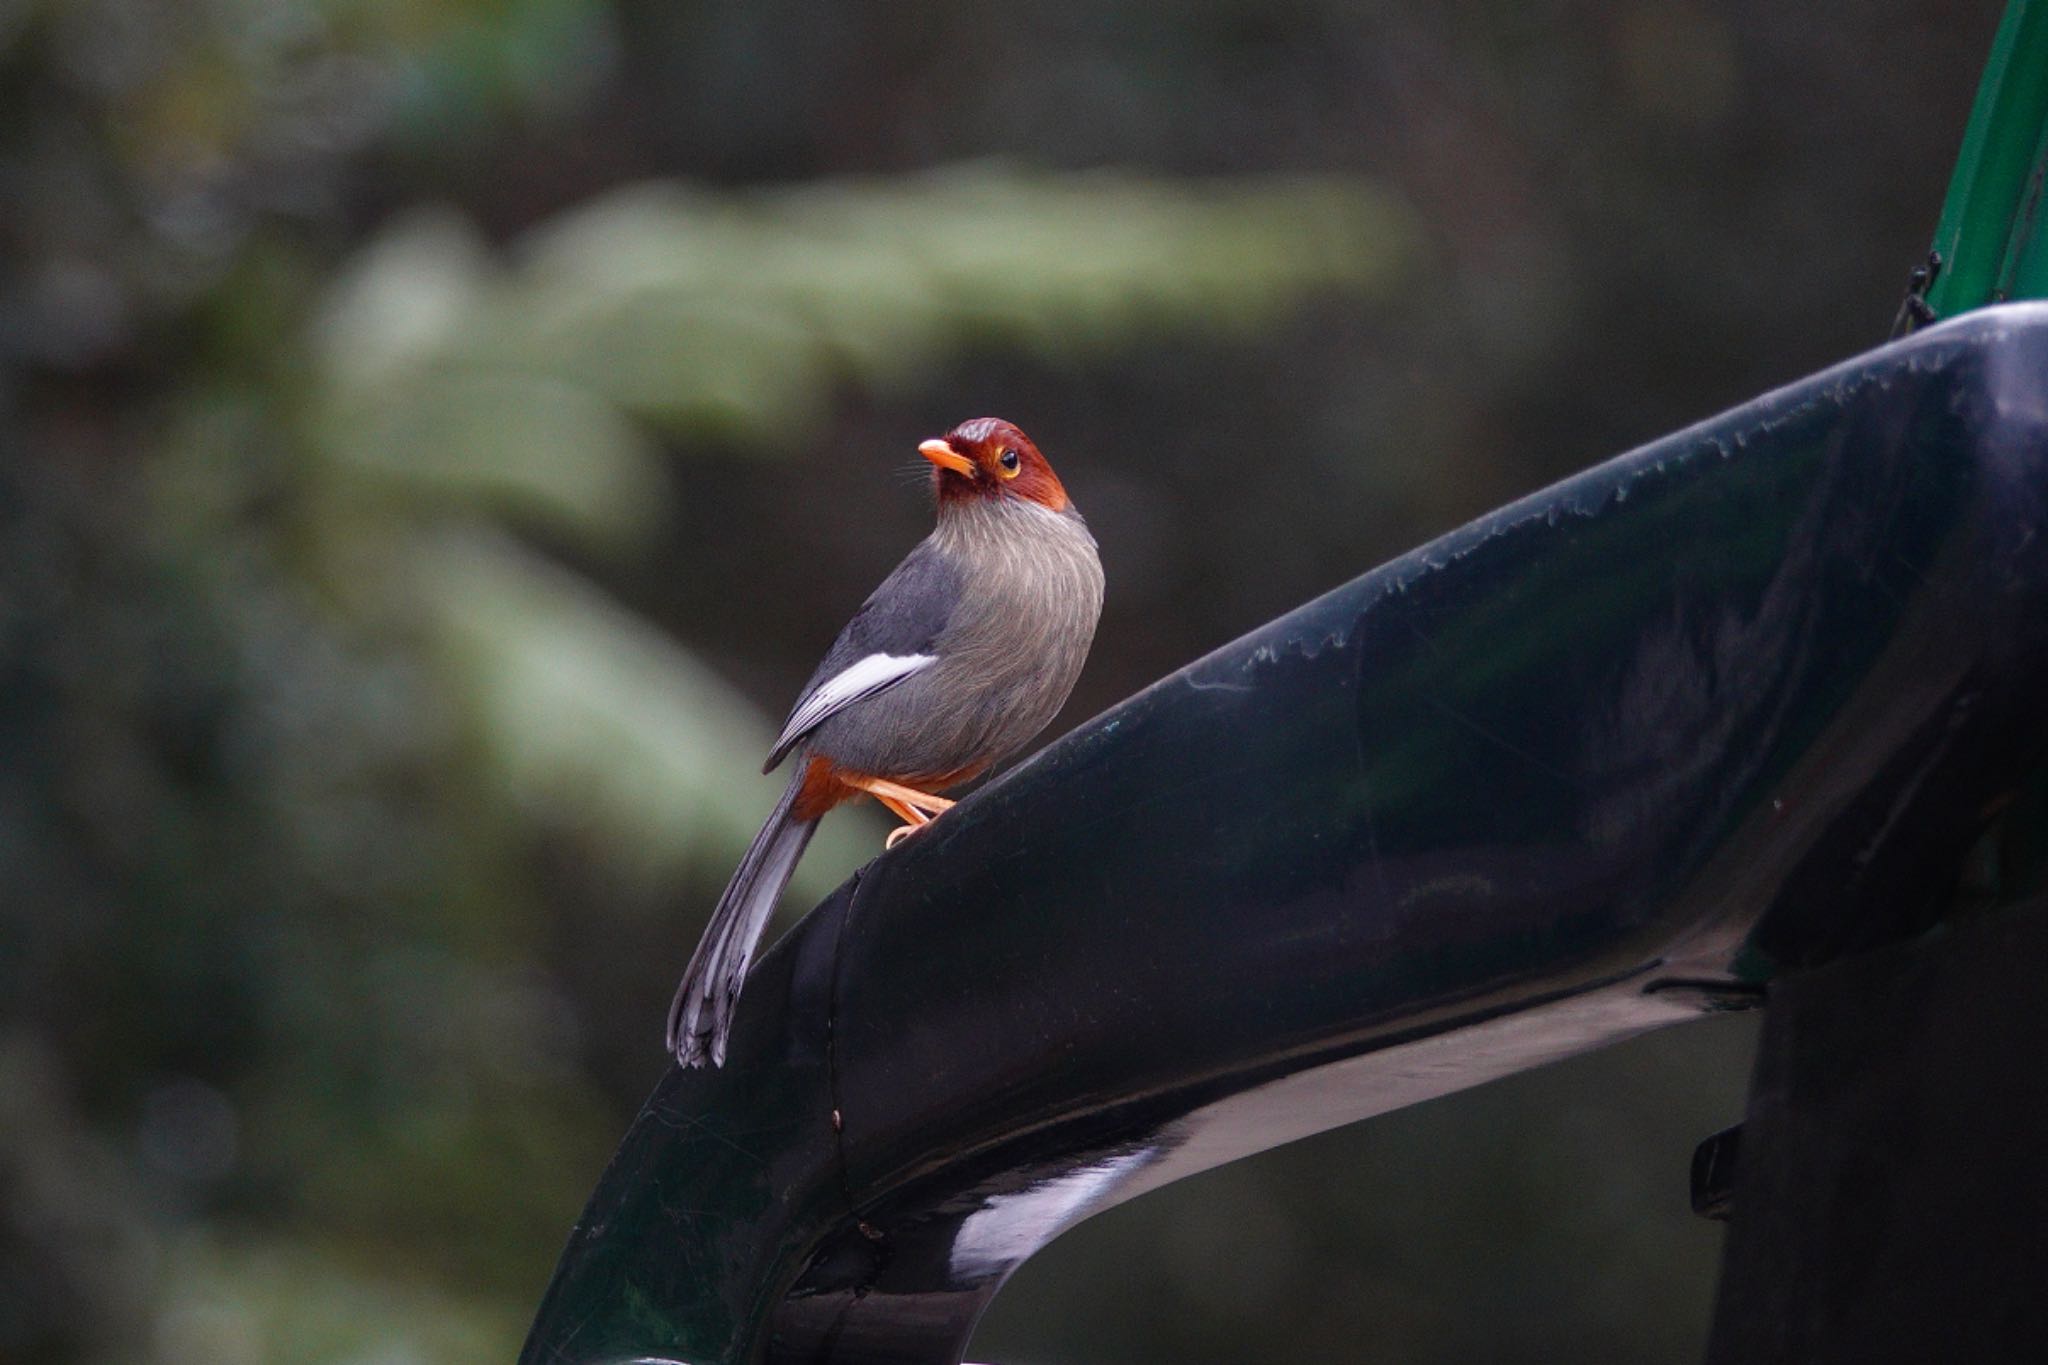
column 955, row 662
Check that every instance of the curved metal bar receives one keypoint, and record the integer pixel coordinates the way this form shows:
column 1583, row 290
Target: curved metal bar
column 1612, row 756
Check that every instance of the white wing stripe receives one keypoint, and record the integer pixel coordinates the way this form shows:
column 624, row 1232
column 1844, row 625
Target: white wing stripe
column 862, row 678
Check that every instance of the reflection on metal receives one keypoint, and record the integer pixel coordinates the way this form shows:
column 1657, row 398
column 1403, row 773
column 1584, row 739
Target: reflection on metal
column 1609, row 758
column 1009, row 1227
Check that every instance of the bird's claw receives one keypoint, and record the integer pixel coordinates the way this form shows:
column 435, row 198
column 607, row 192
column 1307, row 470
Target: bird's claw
column 899, row 834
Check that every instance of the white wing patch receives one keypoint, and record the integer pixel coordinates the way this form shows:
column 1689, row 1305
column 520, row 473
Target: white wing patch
column 861, row 678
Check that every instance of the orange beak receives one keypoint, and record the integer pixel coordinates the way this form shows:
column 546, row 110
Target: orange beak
column 945, row 457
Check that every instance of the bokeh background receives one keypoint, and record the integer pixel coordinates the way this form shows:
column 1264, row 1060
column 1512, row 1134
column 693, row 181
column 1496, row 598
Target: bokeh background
column 438, row 436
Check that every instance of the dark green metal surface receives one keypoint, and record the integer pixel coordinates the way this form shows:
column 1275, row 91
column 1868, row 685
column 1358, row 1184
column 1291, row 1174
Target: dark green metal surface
column 1993, row 235
column 1887, row 1201
column 1732, row 704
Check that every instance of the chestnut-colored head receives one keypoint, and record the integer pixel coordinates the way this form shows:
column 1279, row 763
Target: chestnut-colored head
column 986, row 457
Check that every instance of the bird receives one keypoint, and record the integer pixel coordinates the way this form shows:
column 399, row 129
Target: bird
column 962, row 655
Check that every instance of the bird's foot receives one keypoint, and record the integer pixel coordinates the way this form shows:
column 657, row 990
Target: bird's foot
column 916, row 819
column 917, row 809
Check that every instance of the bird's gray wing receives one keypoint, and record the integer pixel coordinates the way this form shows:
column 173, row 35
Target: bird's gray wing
column 891, row 637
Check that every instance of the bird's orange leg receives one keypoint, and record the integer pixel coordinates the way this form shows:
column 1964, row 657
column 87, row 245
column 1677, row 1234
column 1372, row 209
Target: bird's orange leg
column 915, row 820
column 885, row 790
column 911, row 805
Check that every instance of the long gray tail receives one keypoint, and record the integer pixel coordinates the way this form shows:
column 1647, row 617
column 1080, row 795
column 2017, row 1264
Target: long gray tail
column 701, row 1018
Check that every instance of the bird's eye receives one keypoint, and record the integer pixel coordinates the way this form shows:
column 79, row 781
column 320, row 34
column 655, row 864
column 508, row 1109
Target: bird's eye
column 1008, row 460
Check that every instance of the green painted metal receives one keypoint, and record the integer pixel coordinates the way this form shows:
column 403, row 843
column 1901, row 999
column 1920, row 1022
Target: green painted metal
column 1993, row 237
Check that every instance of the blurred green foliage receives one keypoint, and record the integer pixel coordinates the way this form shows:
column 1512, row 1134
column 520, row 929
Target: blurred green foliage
column 448, row 389
column 299, row 675
column 435, row 435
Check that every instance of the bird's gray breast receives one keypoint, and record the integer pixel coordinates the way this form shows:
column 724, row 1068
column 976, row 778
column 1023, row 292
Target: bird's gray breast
column 1030, row 593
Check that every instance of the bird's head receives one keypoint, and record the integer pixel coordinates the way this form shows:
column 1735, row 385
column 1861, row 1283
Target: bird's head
column 986, row 457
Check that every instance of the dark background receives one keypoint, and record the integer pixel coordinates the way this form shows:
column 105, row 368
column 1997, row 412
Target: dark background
column 438, row 436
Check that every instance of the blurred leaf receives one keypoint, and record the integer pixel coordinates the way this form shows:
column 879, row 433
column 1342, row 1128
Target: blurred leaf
column 737, row 315
column 595, row 722
column 534, row 446
column 465, row 62
column 280, row 1301
column 400, row 302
